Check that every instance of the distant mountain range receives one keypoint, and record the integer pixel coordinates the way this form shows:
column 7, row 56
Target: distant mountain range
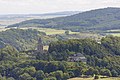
column 8, row 19
column 12, row 16
column 67, row 13
column 94, row 20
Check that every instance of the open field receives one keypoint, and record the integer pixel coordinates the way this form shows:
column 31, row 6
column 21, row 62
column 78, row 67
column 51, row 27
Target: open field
column 3, row 29
column 73, row 35
column 113, row 30
column 116, row 34
column 16, row 18
column 50, row 31
column 93, row 79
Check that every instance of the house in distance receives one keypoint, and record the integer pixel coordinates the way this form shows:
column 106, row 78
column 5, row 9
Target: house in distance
column 77, row 58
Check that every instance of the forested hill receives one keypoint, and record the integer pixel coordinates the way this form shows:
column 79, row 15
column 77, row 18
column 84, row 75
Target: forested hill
column 99, row 19
column 104, row 55
column 20, row 39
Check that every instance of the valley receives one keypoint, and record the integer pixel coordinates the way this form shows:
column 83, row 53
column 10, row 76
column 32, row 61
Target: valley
column 61, row 46
column 94, row 20
column 8, row 19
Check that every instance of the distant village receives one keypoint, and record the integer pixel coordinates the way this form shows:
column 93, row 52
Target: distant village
column 78, row 57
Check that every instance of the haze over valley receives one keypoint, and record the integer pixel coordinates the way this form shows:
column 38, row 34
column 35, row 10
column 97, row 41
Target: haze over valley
column 8, row 19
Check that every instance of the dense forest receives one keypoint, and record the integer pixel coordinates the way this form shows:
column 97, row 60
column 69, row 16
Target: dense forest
column 20, row 39
column 102, row 59
column 23, row 39
column 94, row 20
column 104, row 55
column 27, row 39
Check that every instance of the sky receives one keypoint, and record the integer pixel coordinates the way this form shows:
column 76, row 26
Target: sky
column 49, row 6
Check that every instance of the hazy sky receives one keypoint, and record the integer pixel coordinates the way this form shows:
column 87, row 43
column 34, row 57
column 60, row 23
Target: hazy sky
column 45, row 6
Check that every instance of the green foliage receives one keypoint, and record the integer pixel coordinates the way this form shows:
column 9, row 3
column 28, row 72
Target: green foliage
column 67, row 32
column 100, row 61
column 41, row 56
column 50, row 67
column 105, row 72
column 40, row 75
column 50, row 78
column 66, row 76
column 20, row 39
column 57, row 74
column 90, row 71
column 26, row 76
column 104, row 55
column 86, row 46
column 96, row 77
column 112, row 43
column 30, row 70
column 114, row 73
column 8, row 53
column 100, row 19
column 11, row 78
column 71, row 74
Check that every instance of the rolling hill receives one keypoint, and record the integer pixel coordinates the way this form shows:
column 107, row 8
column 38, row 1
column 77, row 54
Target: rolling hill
column 8, row 19
column 20, row 39
column 94, row 20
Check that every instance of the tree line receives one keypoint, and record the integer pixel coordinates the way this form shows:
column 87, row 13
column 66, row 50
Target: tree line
column 102, row 59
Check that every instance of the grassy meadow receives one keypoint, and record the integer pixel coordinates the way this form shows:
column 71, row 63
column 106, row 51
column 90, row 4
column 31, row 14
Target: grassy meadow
column 93, row 79
column 115, row 32
column 50, row 31
column 3, row 29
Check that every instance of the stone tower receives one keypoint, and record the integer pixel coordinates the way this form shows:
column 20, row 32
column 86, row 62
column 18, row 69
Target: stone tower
column 40, row 45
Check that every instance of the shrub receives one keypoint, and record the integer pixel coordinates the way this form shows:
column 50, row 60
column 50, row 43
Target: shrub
column 96, row 77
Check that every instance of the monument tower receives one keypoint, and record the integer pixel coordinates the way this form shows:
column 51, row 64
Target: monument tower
column 40, row 45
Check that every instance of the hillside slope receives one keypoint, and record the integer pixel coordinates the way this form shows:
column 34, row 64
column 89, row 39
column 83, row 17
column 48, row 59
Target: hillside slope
column 100, row 19
column 20, row 39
